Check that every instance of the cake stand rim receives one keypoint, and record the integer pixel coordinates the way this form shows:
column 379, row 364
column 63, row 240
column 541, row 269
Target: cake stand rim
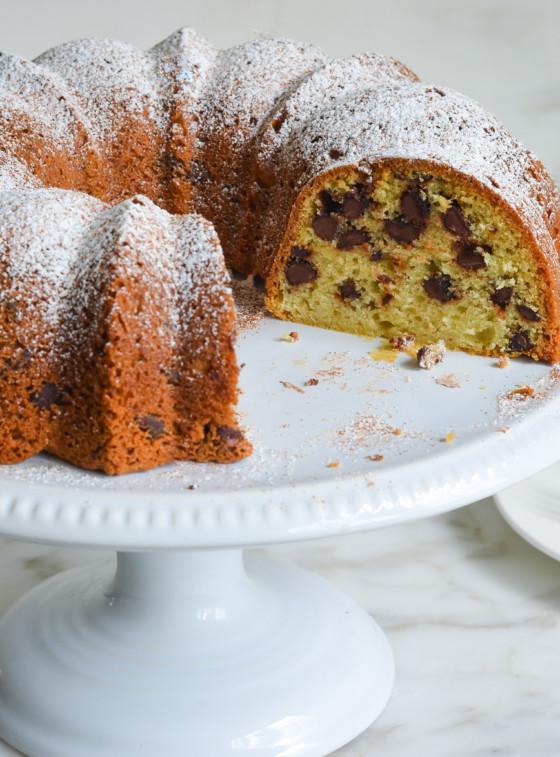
column 252, row 517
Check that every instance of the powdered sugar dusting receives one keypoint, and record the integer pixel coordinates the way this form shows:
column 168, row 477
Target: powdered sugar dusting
column 415, row 121
column 43, row 231
column 118, row 82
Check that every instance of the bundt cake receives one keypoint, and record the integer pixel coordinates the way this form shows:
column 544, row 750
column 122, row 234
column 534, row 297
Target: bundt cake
column 368, row 201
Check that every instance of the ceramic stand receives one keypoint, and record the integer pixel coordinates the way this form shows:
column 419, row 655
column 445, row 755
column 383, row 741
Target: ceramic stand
column 206, row 653
column 190, row 650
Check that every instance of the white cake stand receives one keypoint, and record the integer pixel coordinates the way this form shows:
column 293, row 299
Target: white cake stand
column 192, row 647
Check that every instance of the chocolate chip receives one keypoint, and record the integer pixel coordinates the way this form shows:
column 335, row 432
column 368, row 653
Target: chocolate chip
column 376, row 255
column 49, row 394
column 402, row 231
column 335, row 154
column 152, row 425
column 300, row 271
column 325, row 226
column 300, row 252
column 414, row 206
column 238, row 276
column 229, row 434
column 329, row 203
column 471, row 245
column 455, row 222
column 520, row 342
column 502, row 296
column 527, row 313
column 439, row 287
column 353, row 206
column 470, row 260
column 386, row 299
column 384, row 279
column 352, row 238
column 348, row 291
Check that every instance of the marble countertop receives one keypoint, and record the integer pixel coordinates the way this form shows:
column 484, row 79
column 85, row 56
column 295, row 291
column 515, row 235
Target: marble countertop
column 472, row 613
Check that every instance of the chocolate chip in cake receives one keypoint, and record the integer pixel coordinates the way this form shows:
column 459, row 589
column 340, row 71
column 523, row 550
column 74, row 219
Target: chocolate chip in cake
column 502, row 297
column 440, row 287
column 376, row 255
column 329, row 203
column 348, row 291
column 299, row 271
column 300, row 252
column 384, row 279
column 229, row 434
column 400, row 230
column 520, row 342
column 49, row 394
column 325, row 226
column 352, row 238
column 353, row 206
column 471, row 260
column 414, row 206
column 387, row 299
column 527, row 313
column 455, row 222
column 152, row 425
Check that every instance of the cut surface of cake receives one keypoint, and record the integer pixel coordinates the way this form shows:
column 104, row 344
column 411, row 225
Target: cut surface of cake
column 435, row 223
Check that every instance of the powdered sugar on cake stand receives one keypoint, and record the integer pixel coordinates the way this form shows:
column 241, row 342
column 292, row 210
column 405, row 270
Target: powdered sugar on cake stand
column 191, row 647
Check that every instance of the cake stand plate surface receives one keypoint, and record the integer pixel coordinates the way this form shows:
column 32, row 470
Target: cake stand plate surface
column 191, row 646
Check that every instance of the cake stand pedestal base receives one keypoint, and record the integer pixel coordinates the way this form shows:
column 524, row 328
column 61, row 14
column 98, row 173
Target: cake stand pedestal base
column 198, row 653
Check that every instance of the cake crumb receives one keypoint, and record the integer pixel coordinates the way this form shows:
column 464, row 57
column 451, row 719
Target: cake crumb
column 375, row 458
column 311, row 382
column 523, row 392
column 398, row 431
column 289, row 385
column 333, row 465
column 449, row 437
column 402, row 342
column 503, row 361
column 293, row 336
column 431, row 354
column 192, row 487
column 449, row 380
